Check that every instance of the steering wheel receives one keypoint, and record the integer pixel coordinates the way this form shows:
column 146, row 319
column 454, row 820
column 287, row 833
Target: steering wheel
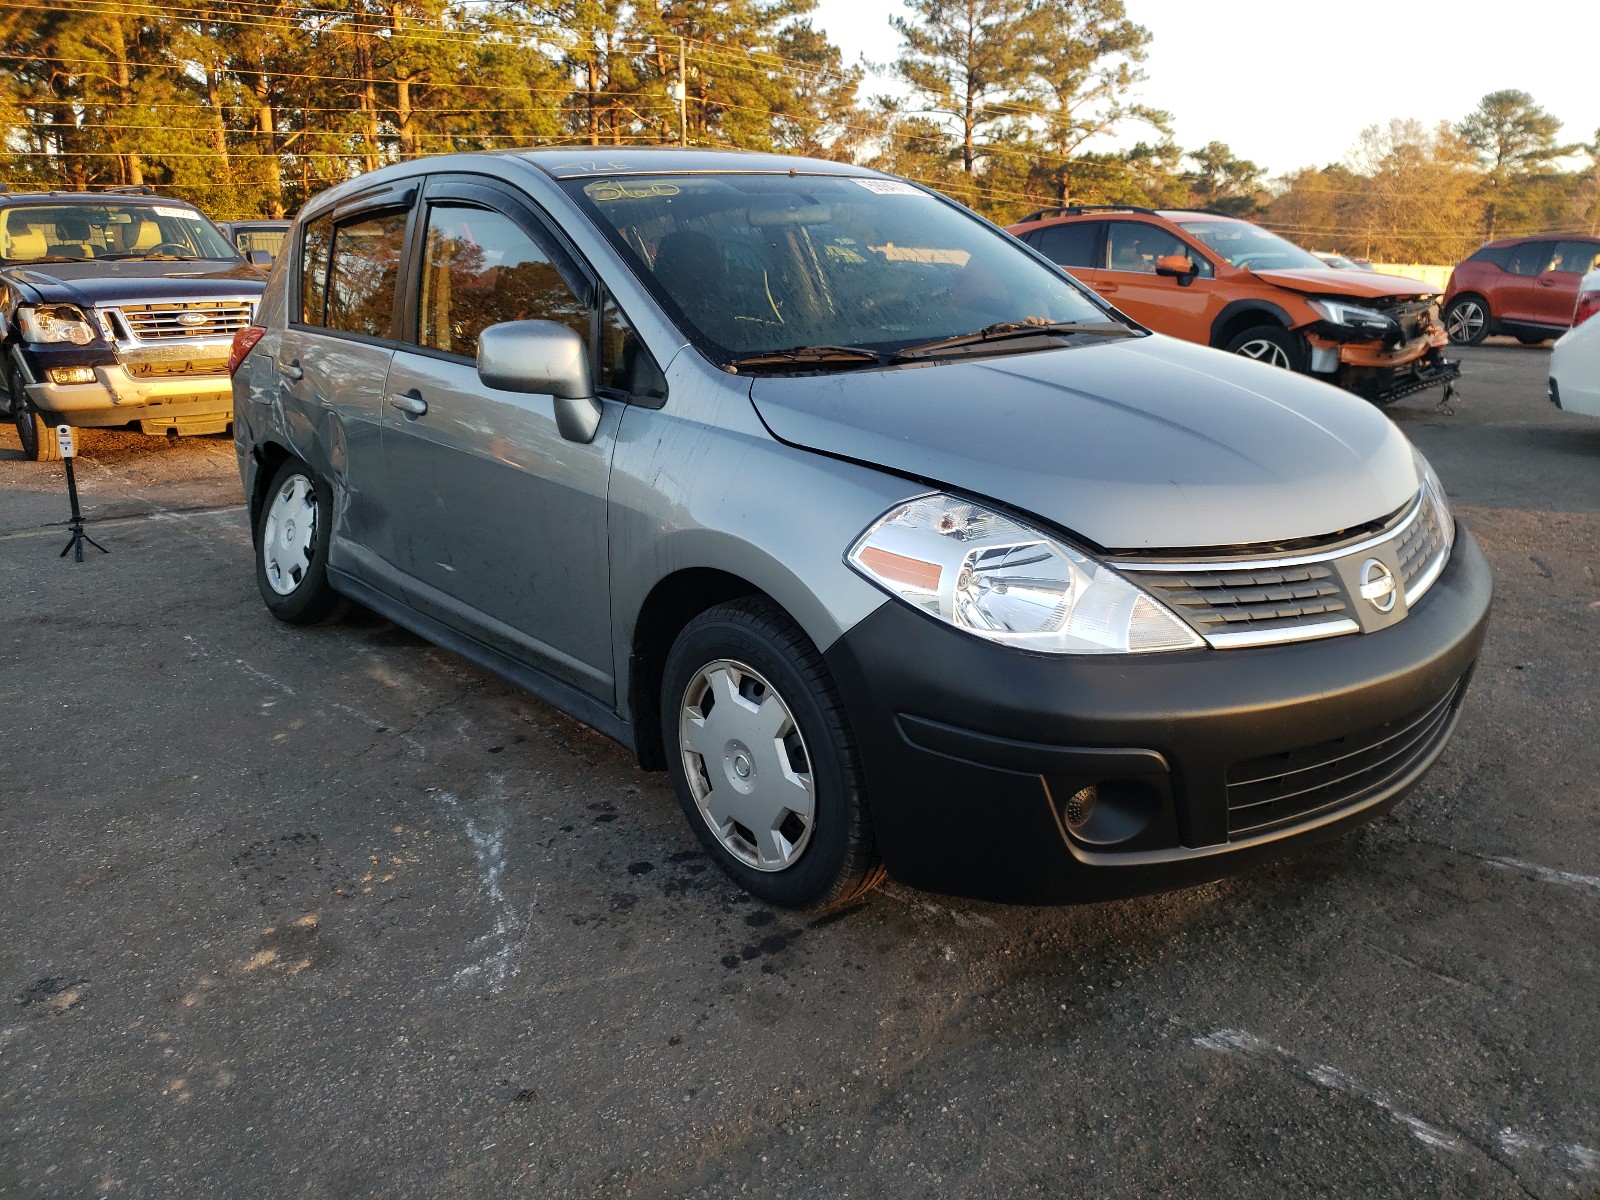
column 170, row 248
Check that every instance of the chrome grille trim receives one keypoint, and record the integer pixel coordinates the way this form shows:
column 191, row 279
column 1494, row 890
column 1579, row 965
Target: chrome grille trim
column 1294, row 560
column 158, row 321
column 1237, row 639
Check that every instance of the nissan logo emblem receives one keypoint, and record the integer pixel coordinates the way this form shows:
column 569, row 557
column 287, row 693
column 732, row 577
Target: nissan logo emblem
column 191, row 319
column 1377, row 585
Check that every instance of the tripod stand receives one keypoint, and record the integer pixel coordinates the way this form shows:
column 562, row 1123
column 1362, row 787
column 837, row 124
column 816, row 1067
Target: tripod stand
column 79, row 537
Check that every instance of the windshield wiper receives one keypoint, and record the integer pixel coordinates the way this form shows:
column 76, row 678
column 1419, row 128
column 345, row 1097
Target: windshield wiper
column 807, row 356
column 1005, row 331
column 48, row 258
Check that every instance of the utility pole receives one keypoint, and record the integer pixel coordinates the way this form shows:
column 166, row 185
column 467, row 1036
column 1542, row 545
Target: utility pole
column 683, row 95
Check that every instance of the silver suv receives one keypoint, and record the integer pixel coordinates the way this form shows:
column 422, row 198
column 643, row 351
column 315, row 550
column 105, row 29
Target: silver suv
column 895, row 547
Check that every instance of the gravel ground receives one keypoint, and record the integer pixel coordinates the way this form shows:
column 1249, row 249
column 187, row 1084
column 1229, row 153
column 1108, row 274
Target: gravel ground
column 327, row 912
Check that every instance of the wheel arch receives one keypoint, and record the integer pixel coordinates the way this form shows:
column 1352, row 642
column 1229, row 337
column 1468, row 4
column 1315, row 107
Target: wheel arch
column 671, row 604
column 1240, row 315
column 269, row 456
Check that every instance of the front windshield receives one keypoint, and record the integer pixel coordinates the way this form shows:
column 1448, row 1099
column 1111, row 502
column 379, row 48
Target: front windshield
column 1247, row 245
column 759, row 264
column 83, row 232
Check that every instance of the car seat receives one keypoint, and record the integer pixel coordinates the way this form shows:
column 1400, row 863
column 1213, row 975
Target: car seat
column 29, row 242
column 73, row 232
column 690, row 268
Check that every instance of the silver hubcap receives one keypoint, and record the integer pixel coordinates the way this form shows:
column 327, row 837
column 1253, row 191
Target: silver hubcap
column 747, row 765
column 1262, row 350
column 1464, row 321
column 290, row 534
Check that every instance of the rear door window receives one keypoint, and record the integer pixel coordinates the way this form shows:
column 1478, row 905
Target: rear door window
column 365, row 270
column 1070, row 245
column 315, row 243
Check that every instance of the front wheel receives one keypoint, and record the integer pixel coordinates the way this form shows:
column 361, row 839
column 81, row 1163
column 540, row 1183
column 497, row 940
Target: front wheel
column 1466, row 321
column 1270, row 344
column 38, row 437
column 763, row 761
column 292, row 546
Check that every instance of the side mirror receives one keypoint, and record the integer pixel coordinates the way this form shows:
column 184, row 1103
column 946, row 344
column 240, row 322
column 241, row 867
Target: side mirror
column 1177, row 265
column 544, row 358
column 259, row 258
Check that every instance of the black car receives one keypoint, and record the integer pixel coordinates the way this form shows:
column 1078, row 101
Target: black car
column 117, row 308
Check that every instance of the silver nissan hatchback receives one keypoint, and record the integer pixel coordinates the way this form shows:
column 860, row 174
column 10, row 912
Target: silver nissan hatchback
column 897, row 549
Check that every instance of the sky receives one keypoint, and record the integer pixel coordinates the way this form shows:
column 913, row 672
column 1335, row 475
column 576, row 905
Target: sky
column 1288, row 84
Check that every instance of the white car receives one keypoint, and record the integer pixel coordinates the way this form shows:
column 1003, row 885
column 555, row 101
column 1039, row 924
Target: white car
column 1575, row 360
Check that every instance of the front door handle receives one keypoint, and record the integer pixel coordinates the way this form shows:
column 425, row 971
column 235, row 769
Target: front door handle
column 291, row 370
column 1105, row 289
column 412, row 406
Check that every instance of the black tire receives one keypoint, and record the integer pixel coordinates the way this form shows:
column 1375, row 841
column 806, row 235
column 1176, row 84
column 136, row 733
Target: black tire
column 838, row 858
column 1270, row 344
column 1531, row 339
column 1466, row 319
column 38, row 436
column 303, row 571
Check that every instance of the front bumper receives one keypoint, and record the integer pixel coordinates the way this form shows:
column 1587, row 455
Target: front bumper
column 1204, row 761
column 156, row 388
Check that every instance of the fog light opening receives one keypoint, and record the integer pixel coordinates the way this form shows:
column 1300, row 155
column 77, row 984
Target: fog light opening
column 68, row 375
column 1105, row 812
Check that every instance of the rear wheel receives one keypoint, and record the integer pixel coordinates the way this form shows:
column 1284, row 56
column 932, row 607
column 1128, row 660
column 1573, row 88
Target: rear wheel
column 1466, row 320
column 763, row 761
column 1270, row 344
column 37, row 436
column 1530, row 339
column 292, row 546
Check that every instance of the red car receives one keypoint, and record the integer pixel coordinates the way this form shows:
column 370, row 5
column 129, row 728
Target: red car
column 1524, row 287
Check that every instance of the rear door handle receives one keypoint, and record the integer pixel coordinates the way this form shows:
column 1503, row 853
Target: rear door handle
column 291, row 370
column 412, row 406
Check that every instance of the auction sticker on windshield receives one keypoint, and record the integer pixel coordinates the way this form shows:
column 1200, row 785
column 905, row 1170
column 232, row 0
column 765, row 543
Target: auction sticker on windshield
column 888, row 187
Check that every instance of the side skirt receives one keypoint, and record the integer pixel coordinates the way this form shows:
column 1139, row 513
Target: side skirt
column 530, row 679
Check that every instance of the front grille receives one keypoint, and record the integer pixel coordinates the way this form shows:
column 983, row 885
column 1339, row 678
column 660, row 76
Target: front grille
column 1214, row 601
column 1234, row 602
column 1418, row 547
column 1279, row 788
column 185, row 319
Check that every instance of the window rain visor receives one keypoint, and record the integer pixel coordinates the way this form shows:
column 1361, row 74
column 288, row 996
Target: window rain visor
column 763, row 264
column 997, row 578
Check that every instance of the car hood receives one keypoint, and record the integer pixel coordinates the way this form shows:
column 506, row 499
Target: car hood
column 1363, row 285
column 1141, row 443
column 98, row 283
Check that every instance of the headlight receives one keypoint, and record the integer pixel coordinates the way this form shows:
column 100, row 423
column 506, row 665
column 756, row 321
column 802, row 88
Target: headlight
column 1337, row 312
column 997, row 578
column 1436, row 497
column 54, row 324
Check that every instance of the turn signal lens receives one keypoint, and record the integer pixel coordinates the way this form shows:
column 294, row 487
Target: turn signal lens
column 243, row 342
column 997, row 578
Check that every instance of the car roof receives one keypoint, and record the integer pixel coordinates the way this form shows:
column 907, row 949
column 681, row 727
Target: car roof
column 578, row 162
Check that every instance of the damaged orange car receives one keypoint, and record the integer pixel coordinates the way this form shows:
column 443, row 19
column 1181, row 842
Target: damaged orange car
column 1227, row 283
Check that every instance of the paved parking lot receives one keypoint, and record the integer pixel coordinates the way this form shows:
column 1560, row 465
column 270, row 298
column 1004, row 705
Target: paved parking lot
column 328, row 912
